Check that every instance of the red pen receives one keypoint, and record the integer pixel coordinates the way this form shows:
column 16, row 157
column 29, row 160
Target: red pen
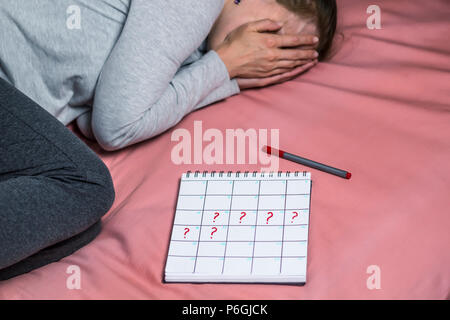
column 309, row 163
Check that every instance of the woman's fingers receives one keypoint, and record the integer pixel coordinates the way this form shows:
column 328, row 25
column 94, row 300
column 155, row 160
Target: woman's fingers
column 294, row 40
column 286, row 66
column 295, row 72
column 290, row 64
column 280, row 78
column 279, row 40
column 275, row 79
column 296, row 54
column 250, row 51
column 265, row 25
column 277, row 67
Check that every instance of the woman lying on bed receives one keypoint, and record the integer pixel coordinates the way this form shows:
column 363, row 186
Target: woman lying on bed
column 125, row 70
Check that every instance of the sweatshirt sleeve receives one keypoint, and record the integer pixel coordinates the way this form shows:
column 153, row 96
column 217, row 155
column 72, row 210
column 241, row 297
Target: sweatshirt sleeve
column 142, row 91
column 229, row 88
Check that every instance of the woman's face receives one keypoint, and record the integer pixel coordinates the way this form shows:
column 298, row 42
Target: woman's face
column 233, row 16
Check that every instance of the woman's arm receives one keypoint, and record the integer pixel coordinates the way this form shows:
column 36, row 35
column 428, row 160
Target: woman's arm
column 141, row 92
column 228, row 89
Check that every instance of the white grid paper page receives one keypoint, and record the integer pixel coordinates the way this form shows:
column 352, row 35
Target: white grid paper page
column 236, row 227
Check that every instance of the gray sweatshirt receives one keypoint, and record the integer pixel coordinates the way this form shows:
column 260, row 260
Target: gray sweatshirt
column 127, row 70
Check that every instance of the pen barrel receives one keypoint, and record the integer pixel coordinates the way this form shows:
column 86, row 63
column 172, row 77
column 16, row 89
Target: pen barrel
column 315, row 165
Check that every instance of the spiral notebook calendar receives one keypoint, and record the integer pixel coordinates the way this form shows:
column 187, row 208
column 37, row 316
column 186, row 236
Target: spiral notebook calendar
column 240, row 227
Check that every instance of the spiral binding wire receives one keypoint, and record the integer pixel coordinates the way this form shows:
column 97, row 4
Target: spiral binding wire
column 246, row 173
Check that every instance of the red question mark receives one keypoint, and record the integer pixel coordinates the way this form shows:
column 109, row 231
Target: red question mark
column 269, row 217
column 186, row 230
column 215, row 230
column 215, row 216
column 243, row 214
column 294, row 216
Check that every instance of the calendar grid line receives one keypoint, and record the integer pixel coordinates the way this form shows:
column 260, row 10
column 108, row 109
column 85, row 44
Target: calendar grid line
column 228, row 229
column 200, row 231
column 284, row 224
column 256, row 223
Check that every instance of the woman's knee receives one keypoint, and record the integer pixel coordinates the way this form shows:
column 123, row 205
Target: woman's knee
column 108, row 193
column 101, row 188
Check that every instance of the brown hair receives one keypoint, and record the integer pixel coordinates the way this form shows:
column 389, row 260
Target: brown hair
column 324, row 13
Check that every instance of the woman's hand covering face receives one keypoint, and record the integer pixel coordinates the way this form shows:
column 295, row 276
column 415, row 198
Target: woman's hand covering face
column 258, row 56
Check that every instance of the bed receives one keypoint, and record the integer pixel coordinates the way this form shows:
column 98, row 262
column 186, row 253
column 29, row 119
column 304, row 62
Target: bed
column 379, row 108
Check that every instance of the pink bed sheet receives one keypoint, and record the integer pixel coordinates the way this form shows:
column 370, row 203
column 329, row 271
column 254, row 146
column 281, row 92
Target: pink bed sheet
column 379, row 108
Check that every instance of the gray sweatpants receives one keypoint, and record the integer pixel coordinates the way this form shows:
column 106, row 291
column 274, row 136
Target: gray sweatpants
column 53, row 188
